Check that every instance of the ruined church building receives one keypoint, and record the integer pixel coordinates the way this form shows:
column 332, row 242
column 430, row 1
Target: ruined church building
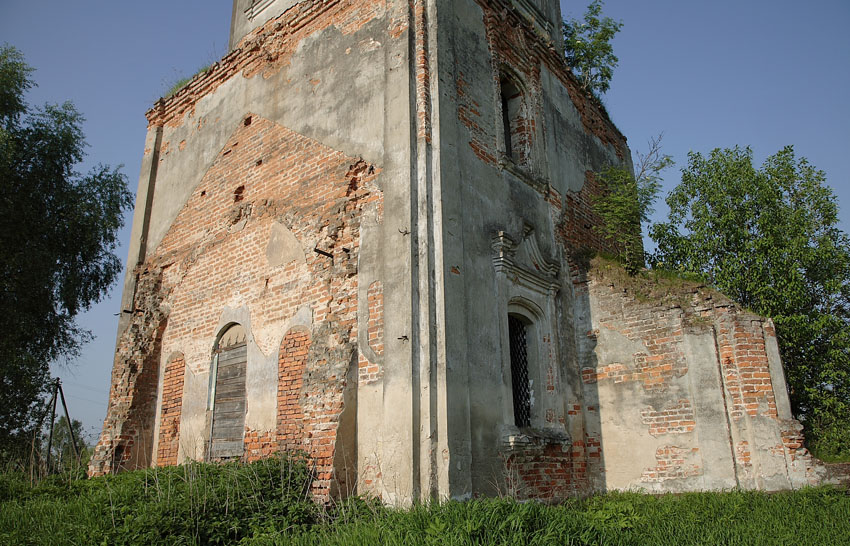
column 358, row 236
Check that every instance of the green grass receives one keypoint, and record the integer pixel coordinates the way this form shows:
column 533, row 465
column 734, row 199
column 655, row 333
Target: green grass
column 190, row 504
column 267, row 503
column 181, row 83
column 814, row 516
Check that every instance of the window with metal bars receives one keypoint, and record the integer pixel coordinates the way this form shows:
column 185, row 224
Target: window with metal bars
column 518, row 333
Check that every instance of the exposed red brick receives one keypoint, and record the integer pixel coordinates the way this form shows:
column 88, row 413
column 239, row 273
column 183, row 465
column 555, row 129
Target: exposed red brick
column 740, row 340
column 422, row 70
column 513, row 42
column 172, row 405
column 675, row 418
column 376, row 317
column 216, row 249
column 259, row 445
column 547, row 472
column 673, row 463
column 290, row 415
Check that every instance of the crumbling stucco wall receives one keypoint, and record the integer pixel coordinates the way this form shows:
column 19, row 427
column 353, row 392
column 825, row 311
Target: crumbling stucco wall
column 514, row 227
column 509, row 225
column 261, row 180
column 689, row 389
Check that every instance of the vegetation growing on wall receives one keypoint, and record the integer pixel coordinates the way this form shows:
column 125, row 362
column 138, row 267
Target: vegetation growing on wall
column 588, row 48
column 768, row 238
column 626, row 202
column 181, row 82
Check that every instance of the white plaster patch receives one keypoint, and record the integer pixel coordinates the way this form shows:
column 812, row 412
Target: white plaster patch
column 283, row 247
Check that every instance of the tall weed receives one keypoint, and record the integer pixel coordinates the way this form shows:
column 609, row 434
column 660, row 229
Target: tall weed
column 189, row 504
column 269, row 503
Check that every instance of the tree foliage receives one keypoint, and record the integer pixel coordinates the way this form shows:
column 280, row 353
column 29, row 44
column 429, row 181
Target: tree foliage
column 588, row 48
column 768, row 238
column 58, row 234
column 627, row 201
column 66, row 453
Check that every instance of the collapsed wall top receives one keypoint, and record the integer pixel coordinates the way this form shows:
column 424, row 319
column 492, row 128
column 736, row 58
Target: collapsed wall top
column 544, row 15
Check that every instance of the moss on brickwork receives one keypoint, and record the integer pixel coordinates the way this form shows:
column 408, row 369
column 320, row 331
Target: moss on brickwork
column 659, row 287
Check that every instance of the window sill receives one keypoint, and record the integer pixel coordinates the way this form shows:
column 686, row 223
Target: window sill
column 515, row 438
column 522, row 173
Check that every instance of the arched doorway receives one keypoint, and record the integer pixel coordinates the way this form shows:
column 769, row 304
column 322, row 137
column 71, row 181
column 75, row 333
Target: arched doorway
column 227, row 396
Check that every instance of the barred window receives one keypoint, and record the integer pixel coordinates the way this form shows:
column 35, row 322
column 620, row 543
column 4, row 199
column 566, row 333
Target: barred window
column 518, row 333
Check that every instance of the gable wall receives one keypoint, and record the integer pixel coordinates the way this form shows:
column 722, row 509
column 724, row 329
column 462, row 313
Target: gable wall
column 263, row 179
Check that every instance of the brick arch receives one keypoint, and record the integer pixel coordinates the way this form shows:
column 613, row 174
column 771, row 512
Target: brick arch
column 292, row 361
column 172, row 405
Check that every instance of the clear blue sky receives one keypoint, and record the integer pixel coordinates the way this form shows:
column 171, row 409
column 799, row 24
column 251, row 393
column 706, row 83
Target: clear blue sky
column 706, row 74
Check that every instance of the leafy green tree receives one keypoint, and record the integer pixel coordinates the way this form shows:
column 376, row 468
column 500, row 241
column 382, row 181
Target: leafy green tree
column 768, row 238
column 58, row 236
column 626, row 202
column 588, row 48
column 62, row 452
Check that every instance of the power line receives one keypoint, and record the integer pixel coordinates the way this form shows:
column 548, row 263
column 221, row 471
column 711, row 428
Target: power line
column 85, row 399
column 77, row 385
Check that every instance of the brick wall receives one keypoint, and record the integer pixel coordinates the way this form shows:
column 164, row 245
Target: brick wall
column 515, row 47
column 674, row 463
column 127, row 437
column 215, row 256
column 172, row 404
column 376, row 317
column 643, row 363
column 265, row 174
column 744, row 359
column 546, row 470
column 259, row 445
column 423, row 71
column 542, row 467
column 516, row 44
column 290, row 415
column 676, row 418
column 576, row 220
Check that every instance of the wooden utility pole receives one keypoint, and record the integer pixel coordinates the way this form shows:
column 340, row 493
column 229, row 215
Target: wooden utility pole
column 52, row 422
column 58, row 392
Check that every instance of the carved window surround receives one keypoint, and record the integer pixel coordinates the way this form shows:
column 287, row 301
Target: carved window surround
column 527, row 286
column 537, row 274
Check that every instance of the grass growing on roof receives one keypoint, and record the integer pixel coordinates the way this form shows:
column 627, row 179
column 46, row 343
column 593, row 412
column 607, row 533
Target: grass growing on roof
column 181, row 83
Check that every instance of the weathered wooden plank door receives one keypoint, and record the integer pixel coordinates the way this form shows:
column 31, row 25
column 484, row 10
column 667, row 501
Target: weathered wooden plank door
column 228, row 419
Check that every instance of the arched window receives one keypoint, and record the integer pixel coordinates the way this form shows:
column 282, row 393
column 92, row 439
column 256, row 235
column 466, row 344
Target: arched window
column 520, row 379
column 527, row 283
column 227, row 394
column 515, row 123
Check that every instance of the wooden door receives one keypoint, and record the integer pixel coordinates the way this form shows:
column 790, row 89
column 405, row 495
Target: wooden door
column 228, row 419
